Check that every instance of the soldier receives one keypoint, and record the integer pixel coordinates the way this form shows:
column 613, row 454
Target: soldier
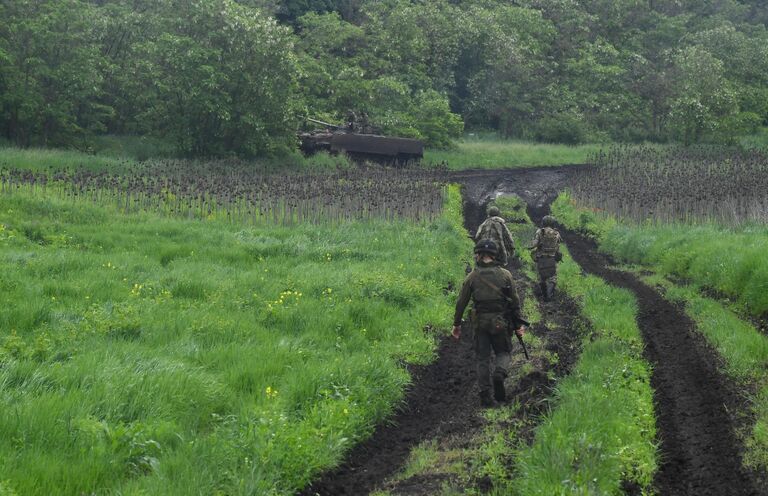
column 546, row 253
column 495, row 229
column 496, row 310
column 353, row 124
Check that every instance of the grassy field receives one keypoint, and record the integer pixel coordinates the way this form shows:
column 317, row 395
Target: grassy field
column 38, row 159
column 733, row 262
column 150, row 355
column 576, row 450
column 489, row 153
column 729, row 260
column 118, row 154
column 117, row 158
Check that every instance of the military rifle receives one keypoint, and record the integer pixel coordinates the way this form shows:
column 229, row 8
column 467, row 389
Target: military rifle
column 514, row 322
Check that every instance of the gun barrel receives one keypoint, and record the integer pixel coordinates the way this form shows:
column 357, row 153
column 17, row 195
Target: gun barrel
column 327, row 124
column 525, row 349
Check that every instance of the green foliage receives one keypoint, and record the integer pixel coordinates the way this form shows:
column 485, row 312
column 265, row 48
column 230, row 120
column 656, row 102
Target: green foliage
column 513, row 209
column 234, row 77
column 51, row 73
column 575, row 450
column 143, row 354
column 224, row 81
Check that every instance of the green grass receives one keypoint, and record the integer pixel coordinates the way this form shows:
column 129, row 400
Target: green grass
column 121, row 154
column 744, row 350
column 601, row 430
column 148, row 355
column 499, row 154
column 38, row 159
column 135, row 147
column 732, row 261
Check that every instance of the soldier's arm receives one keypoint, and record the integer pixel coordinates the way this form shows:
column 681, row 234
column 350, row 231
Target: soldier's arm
column 514, row 301
column 508, row 241
column 536, row 239
column 463, row 301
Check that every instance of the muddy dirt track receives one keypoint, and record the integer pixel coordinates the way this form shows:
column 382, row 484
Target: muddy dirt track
column 700, row 454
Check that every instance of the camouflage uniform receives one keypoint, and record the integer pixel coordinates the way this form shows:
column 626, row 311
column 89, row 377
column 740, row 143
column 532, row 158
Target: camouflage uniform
column 495, row 228
column 546, row 253
column 493, row 294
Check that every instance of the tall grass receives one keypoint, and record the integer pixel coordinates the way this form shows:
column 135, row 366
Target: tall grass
column 730, row 260
column 499, row 154
column 601, row 430
column 40, row 159
column 148, row 355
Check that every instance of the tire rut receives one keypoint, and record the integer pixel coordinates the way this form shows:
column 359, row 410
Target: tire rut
column 700, row 453
column 442, row 401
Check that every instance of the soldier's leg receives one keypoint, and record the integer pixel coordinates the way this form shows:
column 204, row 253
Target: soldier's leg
column 543, row 286
column 483, row 356
column 551, row 285
column 502, row 348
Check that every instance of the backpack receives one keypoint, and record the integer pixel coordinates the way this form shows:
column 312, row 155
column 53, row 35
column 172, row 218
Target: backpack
column 491, row 229
column 549, row 242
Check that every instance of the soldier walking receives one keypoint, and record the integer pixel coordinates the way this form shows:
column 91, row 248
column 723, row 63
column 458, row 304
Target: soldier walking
column 495, row 312
column 495, row 228
column 546, row 254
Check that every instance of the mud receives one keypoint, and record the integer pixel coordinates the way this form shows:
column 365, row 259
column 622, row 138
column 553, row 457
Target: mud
column 700, row 454
column 693, row 402
column 443, row 399
column 441, row 402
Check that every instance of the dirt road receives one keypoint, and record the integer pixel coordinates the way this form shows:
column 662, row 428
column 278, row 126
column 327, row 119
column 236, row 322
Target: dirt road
column 700, row 454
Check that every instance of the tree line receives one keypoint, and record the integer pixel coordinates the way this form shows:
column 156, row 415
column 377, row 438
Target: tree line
column 223, row 77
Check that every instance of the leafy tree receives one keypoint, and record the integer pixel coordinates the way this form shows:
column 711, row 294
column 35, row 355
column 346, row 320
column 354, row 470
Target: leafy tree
column 50, row 68
column 703, row 95
column 222, row 80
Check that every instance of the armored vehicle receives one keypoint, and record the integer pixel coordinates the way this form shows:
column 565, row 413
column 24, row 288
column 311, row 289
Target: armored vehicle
column 361, row 146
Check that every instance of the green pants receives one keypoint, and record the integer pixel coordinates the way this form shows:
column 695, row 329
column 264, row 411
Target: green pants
column 501, row 345
column 547, row 269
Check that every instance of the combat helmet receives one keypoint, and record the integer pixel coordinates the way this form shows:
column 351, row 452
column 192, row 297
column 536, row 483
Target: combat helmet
column 548, row 221
column 493, row 211
column 486, row 246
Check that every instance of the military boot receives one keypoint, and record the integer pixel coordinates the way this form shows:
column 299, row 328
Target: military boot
column 486, row 400
column 499, row 393
column 550, row 290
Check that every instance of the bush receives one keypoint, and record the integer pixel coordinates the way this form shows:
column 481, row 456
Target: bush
column 563, row 128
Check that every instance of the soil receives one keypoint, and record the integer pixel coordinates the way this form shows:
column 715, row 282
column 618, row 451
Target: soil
column 443, row 402
column 439, row 403
column 693, row 401
column 695, row 404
